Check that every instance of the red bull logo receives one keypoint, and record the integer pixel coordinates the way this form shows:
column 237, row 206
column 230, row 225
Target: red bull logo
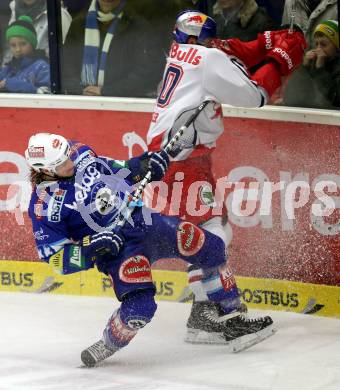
column 196, row 19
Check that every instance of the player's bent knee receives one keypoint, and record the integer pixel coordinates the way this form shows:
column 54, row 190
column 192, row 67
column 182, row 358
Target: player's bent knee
column 203, row 248
column 138, row 308
column 131, row 274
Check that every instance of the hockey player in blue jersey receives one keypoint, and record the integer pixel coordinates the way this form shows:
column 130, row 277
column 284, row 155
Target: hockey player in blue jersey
column 75, row 201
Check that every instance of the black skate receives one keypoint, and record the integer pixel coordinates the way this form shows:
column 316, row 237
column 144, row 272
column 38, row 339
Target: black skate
column 96, row 353
column 206, row 325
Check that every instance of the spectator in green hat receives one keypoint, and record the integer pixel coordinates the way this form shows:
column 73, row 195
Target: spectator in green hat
column 37, row 11
column 28, row 71
column 316, row 83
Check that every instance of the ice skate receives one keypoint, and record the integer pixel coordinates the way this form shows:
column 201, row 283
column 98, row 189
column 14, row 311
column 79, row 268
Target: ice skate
column 96, row 353
column 207, row 325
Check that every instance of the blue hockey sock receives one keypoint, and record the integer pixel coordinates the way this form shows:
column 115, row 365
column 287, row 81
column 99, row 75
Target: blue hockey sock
column 136, row 310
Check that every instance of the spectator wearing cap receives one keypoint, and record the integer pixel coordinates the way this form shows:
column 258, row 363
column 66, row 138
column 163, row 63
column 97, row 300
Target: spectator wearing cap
column 242, row 19
column 309, row 13
column 37, row 11
column 316, row 83
column 28, row 71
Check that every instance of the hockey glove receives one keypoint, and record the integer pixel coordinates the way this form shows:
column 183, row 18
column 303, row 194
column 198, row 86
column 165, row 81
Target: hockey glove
column 288, row 52
column 268, row 39
column 158, row 164
column 102, row 243
column 69, row 259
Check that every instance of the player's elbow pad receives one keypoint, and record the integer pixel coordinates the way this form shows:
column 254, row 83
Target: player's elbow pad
column 69, row 260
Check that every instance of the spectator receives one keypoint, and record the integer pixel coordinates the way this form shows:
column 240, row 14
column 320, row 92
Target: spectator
column 76, row 6
column 201, row 5
column 4, row 17
column 126, row 49
column 317, row 82
column 28, row 71
column 37, row 11
column 273, row 7
column 309, row 13
column 242, row 19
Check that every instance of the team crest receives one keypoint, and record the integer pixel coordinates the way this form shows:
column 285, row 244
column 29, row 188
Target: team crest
column 105, row 201
column 206, row 196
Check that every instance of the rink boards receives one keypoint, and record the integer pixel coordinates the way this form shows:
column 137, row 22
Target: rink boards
column 267, row 294
column 275, row 159
column 267, row 145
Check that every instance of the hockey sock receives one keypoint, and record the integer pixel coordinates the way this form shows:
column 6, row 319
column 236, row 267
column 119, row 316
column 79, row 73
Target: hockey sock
column 136, row 310
column 220, row 286
column 195, row 276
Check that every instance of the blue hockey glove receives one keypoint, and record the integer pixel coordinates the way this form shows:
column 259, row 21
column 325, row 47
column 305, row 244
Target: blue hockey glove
column 102, row 243
column 69, row 260
column 158, row 164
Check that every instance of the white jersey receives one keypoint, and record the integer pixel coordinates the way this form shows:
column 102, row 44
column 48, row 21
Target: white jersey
column 193, row 74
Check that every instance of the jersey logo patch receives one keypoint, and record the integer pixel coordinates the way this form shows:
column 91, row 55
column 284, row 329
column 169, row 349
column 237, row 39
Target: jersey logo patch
column 39, row 235
column 55, row 205
column 135, row 269
column 190, row 239
column 206, row 196
column 227, row 278
column 105, row 201
column 39, row 206
column 218, row 111
column 84, row 160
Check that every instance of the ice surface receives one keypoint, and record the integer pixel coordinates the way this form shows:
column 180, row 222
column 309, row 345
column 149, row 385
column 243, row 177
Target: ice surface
column 41, row 337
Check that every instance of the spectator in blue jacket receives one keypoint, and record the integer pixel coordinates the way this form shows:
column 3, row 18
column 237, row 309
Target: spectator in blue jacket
column 28, row 71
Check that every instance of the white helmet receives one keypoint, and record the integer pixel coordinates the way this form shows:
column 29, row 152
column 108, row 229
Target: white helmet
column 46, row 151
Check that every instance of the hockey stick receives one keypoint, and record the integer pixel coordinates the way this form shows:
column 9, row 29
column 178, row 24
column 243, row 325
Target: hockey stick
column 125, row 214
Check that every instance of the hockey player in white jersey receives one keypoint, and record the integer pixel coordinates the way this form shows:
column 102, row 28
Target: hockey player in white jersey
column 201, row 67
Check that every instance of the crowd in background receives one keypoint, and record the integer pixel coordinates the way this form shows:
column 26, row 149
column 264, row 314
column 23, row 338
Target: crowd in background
column 118, row 47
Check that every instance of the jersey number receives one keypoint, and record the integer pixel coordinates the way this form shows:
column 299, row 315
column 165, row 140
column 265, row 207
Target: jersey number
column 172, row 77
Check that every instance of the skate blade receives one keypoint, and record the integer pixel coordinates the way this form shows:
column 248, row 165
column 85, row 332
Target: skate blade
column 195, row 336
column 252, row 339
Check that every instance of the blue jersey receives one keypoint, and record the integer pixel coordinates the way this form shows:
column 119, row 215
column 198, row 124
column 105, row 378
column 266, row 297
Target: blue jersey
column 65, row 211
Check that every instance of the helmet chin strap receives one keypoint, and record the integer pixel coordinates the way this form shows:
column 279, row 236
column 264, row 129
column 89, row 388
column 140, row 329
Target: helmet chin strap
column 53, row 176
